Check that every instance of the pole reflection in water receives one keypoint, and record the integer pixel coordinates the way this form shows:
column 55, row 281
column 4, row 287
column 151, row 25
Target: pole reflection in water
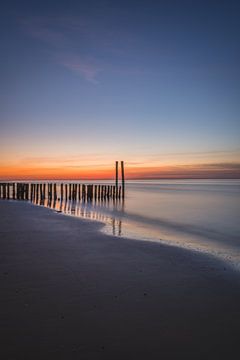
column 96, row 209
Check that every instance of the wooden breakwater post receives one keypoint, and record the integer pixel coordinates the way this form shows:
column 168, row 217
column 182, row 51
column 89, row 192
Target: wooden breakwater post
column 116, row 179
column 8, row 190
column 44, row 191
column 61, row 191
column 71, row 191
column 123, row 179
column 66, row 192
column 55, row 191
column 13, row 191
column 119, row 191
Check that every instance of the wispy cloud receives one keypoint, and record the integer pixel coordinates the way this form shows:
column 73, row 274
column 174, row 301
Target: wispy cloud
column 80, row 66
column 82, row 44
column 60, row 36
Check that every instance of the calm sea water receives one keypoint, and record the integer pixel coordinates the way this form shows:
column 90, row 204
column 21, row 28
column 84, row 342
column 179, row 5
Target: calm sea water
column 197, row 214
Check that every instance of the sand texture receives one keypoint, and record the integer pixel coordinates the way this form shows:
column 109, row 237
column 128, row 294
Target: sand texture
column 69, row 291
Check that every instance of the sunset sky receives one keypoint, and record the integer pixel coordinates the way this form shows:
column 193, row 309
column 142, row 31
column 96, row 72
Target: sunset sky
column 153, row 83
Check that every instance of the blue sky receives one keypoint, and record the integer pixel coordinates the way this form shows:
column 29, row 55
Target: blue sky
column 138, row 80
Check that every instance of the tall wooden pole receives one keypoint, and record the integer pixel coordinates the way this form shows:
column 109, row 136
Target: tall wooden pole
column 116, row 174
column 123, row 179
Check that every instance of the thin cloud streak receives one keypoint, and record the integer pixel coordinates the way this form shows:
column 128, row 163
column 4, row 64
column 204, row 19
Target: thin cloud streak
column 80, row 66
column 61, row 34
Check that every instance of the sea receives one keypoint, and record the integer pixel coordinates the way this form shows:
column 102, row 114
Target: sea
column 200, row 215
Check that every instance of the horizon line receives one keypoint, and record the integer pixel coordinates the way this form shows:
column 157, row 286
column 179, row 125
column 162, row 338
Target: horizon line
column 120, row 180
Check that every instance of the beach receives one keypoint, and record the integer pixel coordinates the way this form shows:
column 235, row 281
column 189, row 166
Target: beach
column 69, row 291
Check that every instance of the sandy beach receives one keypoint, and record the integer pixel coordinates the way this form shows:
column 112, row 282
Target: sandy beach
column 69, row 291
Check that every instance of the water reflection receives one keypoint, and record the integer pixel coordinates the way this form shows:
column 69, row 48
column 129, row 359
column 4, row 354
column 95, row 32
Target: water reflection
column 91, row 210
column 200, row 215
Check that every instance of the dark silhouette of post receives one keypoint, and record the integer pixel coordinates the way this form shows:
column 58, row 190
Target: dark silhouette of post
column 123, row 179
column 116, row 174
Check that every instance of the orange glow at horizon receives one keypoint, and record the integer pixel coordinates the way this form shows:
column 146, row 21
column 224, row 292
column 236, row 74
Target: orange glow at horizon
column 107, row 172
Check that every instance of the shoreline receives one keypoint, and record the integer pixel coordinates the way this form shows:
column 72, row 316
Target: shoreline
column 229, row 259
column 70, row 290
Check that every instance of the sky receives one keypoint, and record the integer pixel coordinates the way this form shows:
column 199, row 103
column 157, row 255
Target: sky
column 153, row 83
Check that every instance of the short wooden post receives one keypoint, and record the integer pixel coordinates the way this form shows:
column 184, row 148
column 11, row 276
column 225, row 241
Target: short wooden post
column 13, row 191
column 44, row 191
column 79, row 191
column 55, row 191
column 66, row 192
column 17, row 191
column 27, row 191
column 123, row 179
column 51, row 191
column 41, row 192
column 73, row 192
column 8, row 190
column 61, row 192
column 37, row 192
column 83, row 191
column 116, row 174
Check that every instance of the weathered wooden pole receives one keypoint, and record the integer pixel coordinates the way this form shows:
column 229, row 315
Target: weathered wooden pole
column 74, row 191
column 83, row 191
column 27, row 191
column 116, row 180
column 123, row 179
column 37, row 192
column 119, row 192
column 41, row 192
column 48, row 191
column 13, row 191
column 51, row 191
column 34, row 191
column 44, row 191
column 55, row 191
column 66, row 192
column 31, row 191
column 8, row 190
column 79, row 191
column 17, row 191
column 61, row 191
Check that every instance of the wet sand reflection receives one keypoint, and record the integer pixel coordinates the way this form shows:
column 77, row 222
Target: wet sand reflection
column 91, row 210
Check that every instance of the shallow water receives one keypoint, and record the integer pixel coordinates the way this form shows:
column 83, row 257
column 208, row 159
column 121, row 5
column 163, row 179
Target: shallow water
column 198, row 214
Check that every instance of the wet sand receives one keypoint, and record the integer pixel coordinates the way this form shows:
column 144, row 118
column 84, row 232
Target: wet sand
column 69, row 291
